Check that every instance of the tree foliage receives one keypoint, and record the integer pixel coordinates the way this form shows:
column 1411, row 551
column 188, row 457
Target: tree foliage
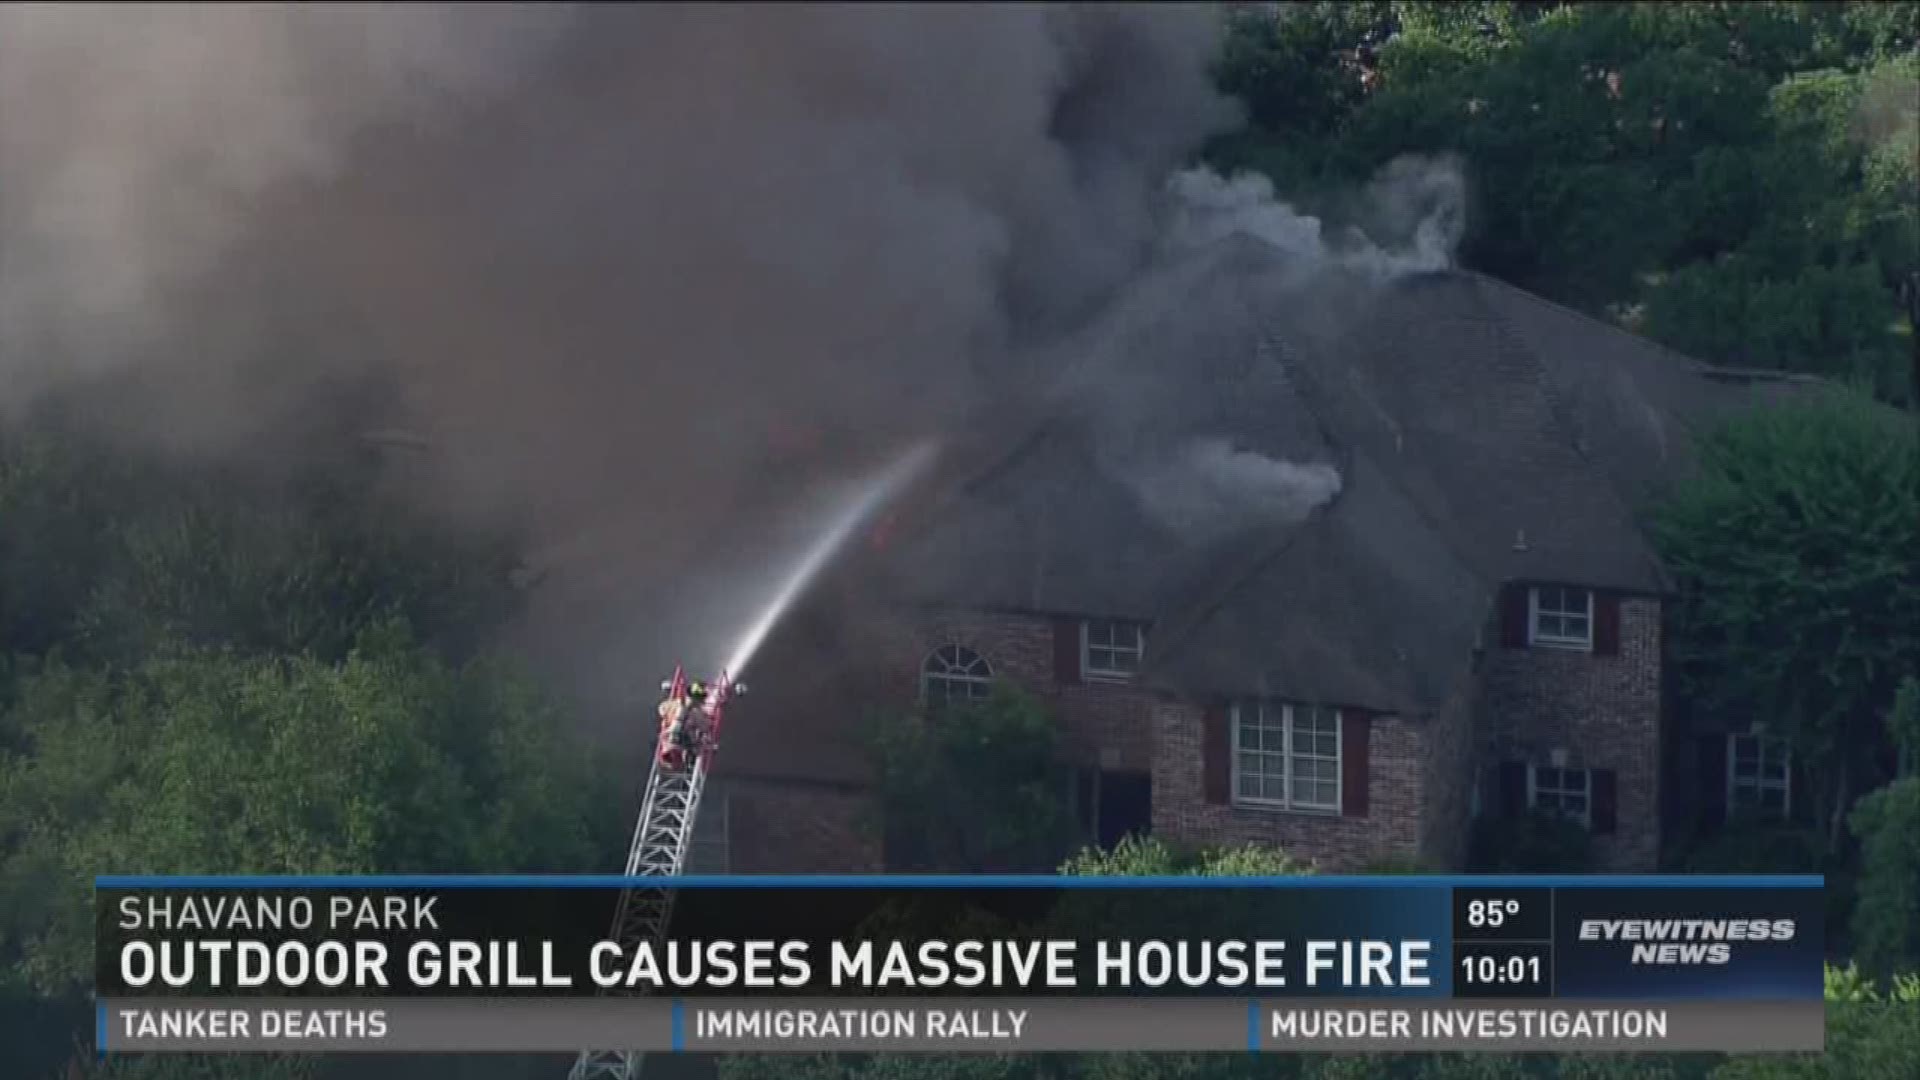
column 389, row 761
column 1136, row 856
column 112, row 558
column 1532, row 843
column 1737, row 180
column 206, row 671
column 1886, row 918
column 1797, row 549
column 978, row 788
column 205, row 1067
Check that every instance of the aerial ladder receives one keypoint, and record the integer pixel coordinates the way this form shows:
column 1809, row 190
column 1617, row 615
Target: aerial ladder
column 689, row 733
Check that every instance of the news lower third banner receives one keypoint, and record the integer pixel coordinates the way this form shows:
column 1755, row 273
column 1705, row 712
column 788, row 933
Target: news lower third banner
column 949, row 964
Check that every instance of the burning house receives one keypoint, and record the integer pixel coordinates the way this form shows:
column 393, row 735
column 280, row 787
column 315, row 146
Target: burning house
column 1334, row 565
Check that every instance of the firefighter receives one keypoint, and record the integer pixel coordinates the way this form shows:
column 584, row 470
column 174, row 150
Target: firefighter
column 682, row 723
column 693, row 724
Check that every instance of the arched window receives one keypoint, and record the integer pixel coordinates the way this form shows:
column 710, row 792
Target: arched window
column 955, row 675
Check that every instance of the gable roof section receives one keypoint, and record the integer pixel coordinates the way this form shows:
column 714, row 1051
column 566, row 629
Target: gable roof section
column 1482, row 435
column 1363, row 605
column 1053, row 533
column 1464, row 417
column 1058, row 522
column 1632, row 406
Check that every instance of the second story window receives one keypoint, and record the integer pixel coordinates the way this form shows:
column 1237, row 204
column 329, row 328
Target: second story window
column 1559, row 617
column 1759, row 777
column 1110, row 649
column 955, row 675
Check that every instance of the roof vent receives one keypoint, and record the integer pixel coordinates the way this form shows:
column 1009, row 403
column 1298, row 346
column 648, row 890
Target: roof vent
column 1520, row 540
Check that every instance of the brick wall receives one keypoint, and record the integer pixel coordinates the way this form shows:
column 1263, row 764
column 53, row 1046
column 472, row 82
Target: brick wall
column 1418, row 794
column 1109, row 725
column 1391, row 828
column 783, row 827
column 1603, row 710
column 1448, row 779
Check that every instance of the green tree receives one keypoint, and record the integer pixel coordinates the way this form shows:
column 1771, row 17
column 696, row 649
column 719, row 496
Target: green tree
column 1797, row 550
column 201, row 1067
column 112, row 558
column 55, row 517
column 1808, row 274
column 1871, row 1032
column 391, row 760
column 973, row 789
column 296, row 571
column 1293, row 68
column 1533, row 843
column 1137, row 856
column 1886, row 918
column 1736, row 180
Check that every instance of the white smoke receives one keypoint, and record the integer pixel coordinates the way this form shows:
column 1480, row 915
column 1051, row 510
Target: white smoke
column 1418, row 203
column 138, row 142
column 1414, row 212
column 1210, row 487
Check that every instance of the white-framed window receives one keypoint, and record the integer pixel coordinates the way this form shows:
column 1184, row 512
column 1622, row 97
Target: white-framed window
column 1567, row 792
column 708, row 849
column 1110, row 649
column 1286, row 756
column 1560, row 617
column 955, row 675
column 1759, row 776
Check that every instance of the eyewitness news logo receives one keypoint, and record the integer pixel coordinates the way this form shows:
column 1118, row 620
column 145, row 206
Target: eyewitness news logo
column 1764, row 946
column 1686, row 941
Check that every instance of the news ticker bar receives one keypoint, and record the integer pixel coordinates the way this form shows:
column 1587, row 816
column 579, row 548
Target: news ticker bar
column 1592, row 938
column 960, row 1025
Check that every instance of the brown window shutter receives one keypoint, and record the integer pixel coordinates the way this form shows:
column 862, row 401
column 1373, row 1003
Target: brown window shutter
column 1606, row 624
column 1606, row 801
column 1513, row 789
column 1066, row 652
column 1356, row 771
column 1216, row 754
column 1712, row 777
column 1513, row 616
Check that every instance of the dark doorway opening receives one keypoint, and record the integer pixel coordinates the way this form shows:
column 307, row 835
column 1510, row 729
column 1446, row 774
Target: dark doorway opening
column 1122, row 805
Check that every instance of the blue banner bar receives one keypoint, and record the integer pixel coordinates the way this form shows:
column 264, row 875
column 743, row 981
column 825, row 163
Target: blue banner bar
column 950, row 881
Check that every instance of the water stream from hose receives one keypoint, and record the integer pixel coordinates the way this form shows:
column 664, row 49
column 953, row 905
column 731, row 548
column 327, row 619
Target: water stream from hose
column 860, row 505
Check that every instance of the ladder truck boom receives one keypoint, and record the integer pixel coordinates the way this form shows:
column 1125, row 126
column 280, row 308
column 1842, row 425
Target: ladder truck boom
column 690, row 715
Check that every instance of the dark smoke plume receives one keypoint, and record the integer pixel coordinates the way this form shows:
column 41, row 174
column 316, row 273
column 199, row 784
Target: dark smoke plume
column 615, row 265
column 633, row 280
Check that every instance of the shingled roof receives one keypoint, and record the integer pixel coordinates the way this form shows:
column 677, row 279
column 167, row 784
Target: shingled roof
column 1481, row 435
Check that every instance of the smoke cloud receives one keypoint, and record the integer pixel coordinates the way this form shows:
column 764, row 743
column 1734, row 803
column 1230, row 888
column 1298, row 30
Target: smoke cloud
column 134, row 142
column 1411, row 219
column 635, row 275
column 637, row 280
column 1209, row 488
